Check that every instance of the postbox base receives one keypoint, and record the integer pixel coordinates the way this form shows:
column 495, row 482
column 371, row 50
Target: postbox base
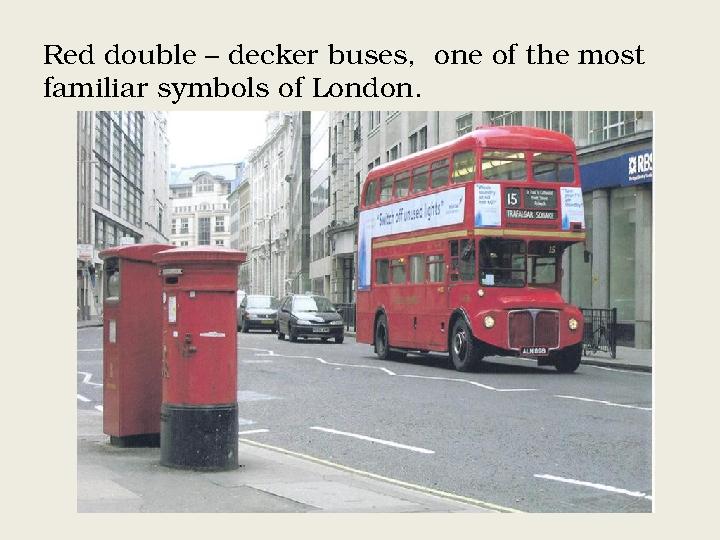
column 143, row 440
column 199, row 437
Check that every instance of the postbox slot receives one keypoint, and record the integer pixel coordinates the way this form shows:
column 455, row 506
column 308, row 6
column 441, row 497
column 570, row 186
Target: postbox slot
column 171, row 280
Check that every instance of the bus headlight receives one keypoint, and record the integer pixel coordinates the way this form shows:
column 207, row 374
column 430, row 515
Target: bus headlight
column 489, row 321
column 572, row 324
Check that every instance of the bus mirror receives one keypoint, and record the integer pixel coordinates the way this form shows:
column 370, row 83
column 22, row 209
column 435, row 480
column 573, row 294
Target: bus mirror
column 587, row 255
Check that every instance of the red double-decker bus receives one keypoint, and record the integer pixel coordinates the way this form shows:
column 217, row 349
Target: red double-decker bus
column 460, row 249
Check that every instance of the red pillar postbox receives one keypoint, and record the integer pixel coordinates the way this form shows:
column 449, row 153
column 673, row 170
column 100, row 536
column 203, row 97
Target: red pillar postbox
column 199, row 415
column 132, row 345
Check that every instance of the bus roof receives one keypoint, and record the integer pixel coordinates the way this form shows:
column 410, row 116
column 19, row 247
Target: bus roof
column 511, row 137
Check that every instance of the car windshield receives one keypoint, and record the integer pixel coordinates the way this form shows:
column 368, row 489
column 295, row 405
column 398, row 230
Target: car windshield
column 261, row 302
column 312, row 303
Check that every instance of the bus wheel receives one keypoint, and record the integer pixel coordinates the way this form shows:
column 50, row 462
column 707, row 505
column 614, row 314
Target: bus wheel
column 382, row 348
column 568, row 359
column 464, row 350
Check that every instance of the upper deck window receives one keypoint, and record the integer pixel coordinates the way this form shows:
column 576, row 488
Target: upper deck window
column 463, row 167
column 504, row 165
column 371, row 193
column 553, row 167
column 402, row 184
column 386, row 183
column 439, row 173
column 420, row 179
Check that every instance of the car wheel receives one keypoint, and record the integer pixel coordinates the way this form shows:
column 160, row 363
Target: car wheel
column 339, row 339
column 324, row 339
column 568, row 359
column 291, row 334
column 244, row 327
column 280, row 336
column 465, row 351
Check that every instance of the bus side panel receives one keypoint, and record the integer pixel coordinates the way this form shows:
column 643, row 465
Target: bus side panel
column 364, row 317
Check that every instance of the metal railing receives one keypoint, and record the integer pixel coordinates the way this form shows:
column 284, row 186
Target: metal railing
column 347, row 312
column 600, row 331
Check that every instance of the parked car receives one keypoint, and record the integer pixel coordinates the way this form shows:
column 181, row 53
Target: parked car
column 309, row 316
column 257, row 311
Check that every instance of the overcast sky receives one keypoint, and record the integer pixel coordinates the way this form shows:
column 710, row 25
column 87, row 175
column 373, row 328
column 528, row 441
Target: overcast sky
column 206, row 137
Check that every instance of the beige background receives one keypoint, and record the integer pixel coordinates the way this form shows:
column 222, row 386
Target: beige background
column 39, row 445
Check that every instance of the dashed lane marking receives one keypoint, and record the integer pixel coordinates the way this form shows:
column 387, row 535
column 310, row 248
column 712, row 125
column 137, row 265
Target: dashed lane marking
column 82, row 398
column 99, row 408
column 430, row 491
column 602, row 487
column 373, row 439
column 89, row 350
column 610, row 403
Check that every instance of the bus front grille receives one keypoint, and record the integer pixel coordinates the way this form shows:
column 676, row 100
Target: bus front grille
column 533, row 328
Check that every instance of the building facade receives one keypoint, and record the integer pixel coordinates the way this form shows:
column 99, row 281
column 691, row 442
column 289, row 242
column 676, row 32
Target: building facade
column 200, row 207
column 116, row 190
column 615, row 156
column 268, row 204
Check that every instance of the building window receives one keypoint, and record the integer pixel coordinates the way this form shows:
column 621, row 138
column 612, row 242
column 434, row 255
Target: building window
column 373, row 119
column 607, row 125
column 418, row 140
column 463, row 124
column 219, row 242
column 184, row 229
column 204, row 184
column 320, row 198
column 622, row 245
column 394, row 153
column 183, row 243
column 219, row 223
column 506, row 118
column 204, row 231
column 561, row 121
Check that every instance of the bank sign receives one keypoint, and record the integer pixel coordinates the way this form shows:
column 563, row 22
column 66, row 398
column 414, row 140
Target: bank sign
column 625, row 170
column 429, row 211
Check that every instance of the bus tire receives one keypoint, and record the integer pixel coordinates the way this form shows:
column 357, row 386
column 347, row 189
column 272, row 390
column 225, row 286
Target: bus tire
column 465, row 351
column 382, row 343
column 568, row 359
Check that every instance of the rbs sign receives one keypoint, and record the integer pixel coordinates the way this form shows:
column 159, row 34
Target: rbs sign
column 624, row 170
column 640, row 167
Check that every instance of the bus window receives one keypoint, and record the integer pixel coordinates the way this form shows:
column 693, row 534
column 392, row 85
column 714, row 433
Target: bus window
column 386, row 188
column 402, row 183
column 371, row 194
column 417, row 269
column 462, row 260
column 502, row 262
column 553, row 167
column 420, row 179
column 499, row 165
column 439, row 173
column 382, row 272
column 397, row 267
column 463, row 167
column 543, row 259
column 436, row 268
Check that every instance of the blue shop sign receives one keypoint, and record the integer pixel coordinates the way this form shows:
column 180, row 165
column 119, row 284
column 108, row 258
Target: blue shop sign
column 625, row 170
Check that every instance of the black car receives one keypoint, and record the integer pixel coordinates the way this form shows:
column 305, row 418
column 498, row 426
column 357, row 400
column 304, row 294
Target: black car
column 258, row 311
column 309, row 316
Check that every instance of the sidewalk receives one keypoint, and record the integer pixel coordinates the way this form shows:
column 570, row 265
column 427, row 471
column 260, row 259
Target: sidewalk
column 114, row 479
column 89, row 323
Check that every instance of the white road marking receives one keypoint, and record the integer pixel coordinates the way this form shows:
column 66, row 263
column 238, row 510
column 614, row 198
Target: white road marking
column 99, row 408
column 251, row 431
column 86, row 378
column 373, row 439
column 82, row 398
column 473, row 383
column 257, row 361
column 618, row 370
column 416, row 487
column 89, row 350
column 596, row 486
column 610, row 403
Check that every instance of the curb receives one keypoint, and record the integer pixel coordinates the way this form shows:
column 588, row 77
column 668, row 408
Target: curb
column 619, row 365
column 90, row 325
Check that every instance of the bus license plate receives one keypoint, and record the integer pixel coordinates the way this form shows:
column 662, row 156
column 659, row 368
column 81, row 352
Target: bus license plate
column 534, row 350
column 321, row 330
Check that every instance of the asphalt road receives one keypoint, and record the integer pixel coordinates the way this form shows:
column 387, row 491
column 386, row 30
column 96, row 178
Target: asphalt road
column 513, row 435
